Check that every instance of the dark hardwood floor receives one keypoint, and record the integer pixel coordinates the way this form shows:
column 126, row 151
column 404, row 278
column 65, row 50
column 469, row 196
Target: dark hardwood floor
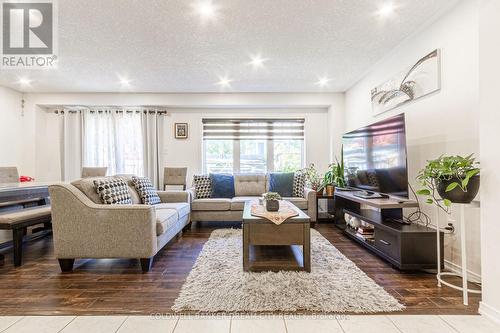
column 118, row 286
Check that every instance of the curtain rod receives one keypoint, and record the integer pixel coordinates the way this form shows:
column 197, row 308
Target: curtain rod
column 101, row 110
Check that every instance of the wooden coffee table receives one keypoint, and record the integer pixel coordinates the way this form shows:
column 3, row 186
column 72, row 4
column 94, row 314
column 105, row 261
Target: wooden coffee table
column 271, row 247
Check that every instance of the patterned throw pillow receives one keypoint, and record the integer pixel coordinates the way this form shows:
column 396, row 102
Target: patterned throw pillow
column 299, row 183
column 113, row 191
column 372, row 178
column 202, row 186
column 146, row 190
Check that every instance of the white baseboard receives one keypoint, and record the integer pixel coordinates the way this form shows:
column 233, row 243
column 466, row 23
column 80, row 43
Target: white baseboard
column 489, row 312
column 471, row 276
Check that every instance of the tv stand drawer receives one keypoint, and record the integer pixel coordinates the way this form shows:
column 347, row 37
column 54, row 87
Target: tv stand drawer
column 387, row 243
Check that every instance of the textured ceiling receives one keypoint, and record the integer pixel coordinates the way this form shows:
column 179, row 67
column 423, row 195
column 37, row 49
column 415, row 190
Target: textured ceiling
column 162, row 47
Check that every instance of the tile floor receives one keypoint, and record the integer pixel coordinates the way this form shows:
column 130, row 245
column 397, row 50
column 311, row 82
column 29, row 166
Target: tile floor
column 243, row 324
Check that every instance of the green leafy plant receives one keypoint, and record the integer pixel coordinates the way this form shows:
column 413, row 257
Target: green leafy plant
column 335, row 174
column 312, row 177
column 269, row 196
column 457, row 169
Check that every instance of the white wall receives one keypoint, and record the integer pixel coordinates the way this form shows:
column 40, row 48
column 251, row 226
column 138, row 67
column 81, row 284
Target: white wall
column 319, row 110
column 12, row 124
column 443, row 123
column 489, row 69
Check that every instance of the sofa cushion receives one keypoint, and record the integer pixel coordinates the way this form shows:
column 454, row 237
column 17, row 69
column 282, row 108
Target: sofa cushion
column 238, row 203
column 165, row 219
column 299, row 184
column 146, row 190
column 301, row 203
column 222, row 185
column 281, row 183
column 86, row 186
column 113, row 191
column 182, row 208
column 249, row 185
column 202, row 186
column 211, row 204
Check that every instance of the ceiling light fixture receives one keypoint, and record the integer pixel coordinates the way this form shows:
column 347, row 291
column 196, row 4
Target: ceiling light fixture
column 224, row 81
column 125, row 82
column 386, row 10
column 257, row 61
column 323, row 81
column 25, row 82
column 205, row 9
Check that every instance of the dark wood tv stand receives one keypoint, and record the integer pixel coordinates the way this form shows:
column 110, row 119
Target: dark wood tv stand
column 407, row 247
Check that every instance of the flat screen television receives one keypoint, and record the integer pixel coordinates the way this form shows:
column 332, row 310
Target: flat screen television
column 375, row 157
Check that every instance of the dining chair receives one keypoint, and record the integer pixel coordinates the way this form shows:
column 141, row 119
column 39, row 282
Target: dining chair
column 175, row 176
column 9, row 175
column 94, row 172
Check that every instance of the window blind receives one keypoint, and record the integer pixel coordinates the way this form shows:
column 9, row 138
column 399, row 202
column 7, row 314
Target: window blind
column 256, row 129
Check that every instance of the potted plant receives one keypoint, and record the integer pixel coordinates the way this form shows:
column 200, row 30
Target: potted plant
column 334, row 176
column 449, row 179
column 272, row 201
column 328, row 180
column 313, row 178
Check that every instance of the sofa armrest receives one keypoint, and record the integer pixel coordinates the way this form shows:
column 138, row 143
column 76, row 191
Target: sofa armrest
column 84, row 229
column 192, row 193
column 312, row 207
column 174, row 196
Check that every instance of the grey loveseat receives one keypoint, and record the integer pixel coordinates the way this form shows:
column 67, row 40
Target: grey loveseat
column 246, row 187
column 83, row 227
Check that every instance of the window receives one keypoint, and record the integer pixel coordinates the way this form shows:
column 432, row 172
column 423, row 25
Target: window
column 219, row 156
column 288, row 155
column 253, row 156
column 114, row 140
column 253, row 145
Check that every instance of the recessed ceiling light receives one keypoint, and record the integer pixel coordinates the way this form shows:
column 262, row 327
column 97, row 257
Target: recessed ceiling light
column 323, row 81
column 224, row 81
column 205, row 9
column 24, row 82
column 125, row 82
column 257, row 61
column 386, row 10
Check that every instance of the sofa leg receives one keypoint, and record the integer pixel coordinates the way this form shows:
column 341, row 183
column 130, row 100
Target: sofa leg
column 187, row 227
column 66, row 264
column 146, row 264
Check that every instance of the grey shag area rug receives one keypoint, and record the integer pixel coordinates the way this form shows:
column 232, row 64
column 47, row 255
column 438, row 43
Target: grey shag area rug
column 217, row 283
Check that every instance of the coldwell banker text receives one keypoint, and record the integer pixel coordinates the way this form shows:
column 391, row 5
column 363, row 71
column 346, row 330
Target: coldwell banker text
column 28, row 34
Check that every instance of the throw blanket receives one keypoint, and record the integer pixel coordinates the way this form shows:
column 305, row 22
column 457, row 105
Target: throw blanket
column 284, row 213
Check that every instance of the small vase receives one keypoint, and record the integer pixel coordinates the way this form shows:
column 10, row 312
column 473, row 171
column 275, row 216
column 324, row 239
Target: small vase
column 272, row 205
column 330, row 190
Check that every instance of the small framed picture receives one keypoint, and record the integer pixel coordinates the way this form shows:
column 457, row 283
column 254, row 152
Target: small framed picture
column 181, row 130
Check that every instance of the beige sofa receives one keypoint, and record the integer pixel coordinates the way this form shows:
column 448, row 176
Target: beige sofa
column 246, row 187
column 85, row 228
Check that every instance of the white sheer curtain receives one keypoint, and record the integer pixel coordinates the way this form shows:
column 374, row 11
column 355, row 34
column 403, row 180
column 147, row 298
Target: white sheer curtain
column 153, row 139
column 113, row 139
column 71, row 144
column 124, row 141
